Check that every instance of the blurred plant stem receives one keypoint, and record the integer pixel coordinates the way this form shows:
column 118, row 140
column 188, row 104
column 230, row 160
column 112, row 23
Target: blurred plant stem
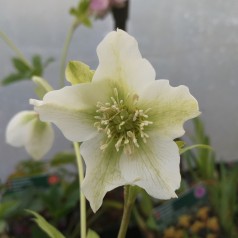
column 82, row 197
column 67, row 42
column 130, row 193
column 10, row 43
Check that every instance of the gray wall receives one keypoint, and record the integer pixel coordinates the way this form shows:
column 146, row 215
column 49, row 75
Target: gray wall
column 191, row 42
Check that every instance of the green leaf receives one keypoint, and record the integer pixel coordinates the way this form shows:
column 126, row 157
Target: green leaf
column 151, row 223
column 37, row 65
column 43, row 86
column 78, row 72
column 12, row 78
column 201, row 146
column 50, row 230
column 20, row 65
column 7, row 208
column 83, row 6
column 81, row 12
column 92, row 234
column 86, row 21
column 48, row 61
column 146, row 204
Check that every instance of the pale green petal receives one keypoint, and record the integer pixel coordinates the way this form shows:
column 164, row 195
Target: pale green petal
column 40, row 138
column 170, row 107
column 25, row 129
column 73, row 108
column 120, row 60
column 77, row 72
column 102, row 171
column 17, row 127
column 155, row 167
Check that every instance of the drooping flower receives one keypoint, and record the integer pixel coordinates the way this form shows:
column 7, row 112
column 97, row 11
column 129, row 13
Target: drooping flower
column 26, row 129
column 99, row 5
column 126, row 120
column 99, row 8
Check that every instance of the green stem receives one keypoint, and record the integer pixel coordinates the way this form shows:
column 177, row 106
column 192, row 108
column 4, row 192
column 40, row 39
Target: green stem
column 67, row 42
column 82, row 198
column 129, row 199
column 10, row 43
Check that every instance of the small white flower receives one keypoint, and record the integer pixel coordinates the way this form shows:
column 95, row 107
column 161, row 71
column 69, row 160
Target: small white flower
column 126, row 120
column 25, row 129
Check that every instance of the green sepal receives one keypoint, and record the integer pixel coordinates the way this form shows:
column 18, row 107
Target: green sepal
column 43, row 86
column 92, row 234
column 50, row 230
column 78, row 72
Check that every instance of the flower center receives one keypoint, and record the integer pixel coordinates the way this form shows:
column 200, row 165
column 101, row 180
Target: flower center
column 123, row 126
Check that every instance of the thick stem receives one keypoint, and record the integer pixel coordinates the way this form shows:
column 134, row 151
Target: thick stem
column 10, row 43
column 129, row 199
column 82, row 197
column 65, row 51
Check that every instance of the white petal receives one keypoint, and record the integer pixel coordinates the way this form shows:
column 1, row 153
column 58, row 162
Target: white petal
column 120, row 60
column 73, row 108
column 25, row 129
column 171, row 107
column 102, row 171
column 17, row 128
column 155, row 167
column 40, row 138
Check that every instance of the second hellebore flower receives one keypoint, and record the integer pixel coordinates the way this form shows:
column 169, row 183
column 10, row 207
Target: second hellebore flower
column 126, row 120
column 25, row 129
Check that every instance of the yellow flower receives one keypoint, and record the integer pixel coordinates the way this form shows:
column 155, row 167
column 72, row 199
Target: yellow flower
column 184, row 221
column 197, row 226
column 169, row 232
column 213, row 224
column 203, row 213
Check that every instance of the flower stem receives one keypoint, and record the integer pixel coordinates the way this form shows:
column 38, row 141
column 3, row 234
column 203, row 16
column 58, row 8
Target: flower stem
column 10, row 43
column 67, row 42
column 130, row 193
column 82, row 198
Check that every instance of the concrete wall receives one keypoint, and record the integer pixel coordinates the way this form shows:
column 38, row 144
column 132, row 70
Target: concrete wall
column 191, row 42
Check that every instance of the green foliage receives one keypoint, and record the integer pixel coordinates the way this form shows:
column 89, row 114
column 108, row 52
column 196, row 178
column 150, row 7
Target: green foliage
column 28, row 168
column 78, row 72
column 24, row 71
column 45, row 226
column 47, row 200
column 7, row 207
column 143, row 213
column 223, row 196
column 81, row 13
column 221, row 181
column 200, row 157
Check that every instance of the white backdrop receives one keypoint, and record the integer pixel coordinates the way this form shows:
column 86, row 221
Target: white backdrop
column 189, row 42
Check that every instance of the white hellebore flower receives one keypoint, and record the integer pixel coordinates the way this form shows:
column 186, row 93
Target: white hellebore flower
column 25, row 129
column 126, row 120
